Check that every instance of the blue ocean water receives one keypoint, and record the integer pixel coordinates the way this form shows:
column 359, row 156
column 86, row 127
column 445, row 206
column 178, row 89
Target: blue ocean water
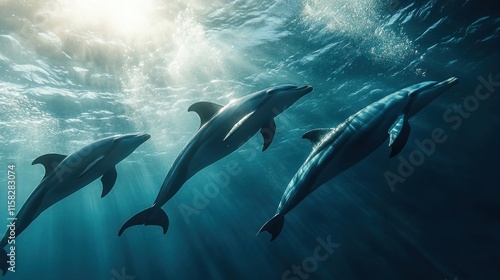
column 72, row 72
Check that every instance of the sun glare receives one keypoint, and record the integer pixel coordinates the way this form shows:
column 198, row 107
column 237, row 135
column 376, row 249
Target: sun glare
column 127, row 17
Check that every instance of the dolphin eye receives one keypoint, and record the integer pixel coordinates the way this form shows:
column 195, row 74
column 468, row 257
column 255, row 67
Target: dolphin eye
column 271, row 91
column 116, row 141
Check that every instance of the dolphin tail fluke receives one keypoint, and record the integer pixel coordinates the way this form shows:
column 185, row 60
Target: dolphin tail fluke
column 274, row 226
column 151, row 216
column 4, row 265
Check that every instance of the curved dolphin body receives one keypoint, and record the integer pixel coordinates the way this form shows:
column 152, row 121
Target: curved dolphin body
column 337, row 149
column 223, row 129
column 65, row 175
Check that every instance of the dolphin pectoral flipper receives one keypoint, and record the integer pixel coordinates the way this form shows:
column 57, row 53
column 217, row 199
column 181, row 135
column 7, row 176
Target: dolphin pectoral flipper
column 91, row 165
column 238, row 125
column 398, row 135
column 268, row 132
column 108, row 181
column 49, row 161
column 206, row 110
column 151, row 216
column 274, row 226
column 4, row 265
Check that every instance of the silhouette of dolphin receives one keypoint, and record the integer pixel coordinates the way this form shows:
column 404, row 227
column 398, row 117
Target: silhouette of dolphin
column 337, row 149
column 222, row 131
column 65, row 175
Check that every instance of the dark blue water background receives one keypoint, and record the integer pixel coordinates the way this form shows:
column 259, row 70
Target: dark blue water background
column 72, row 74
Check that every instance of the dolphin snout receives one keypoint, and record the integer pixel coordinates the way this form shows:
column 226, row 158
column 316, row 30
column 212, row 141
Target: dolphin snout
column 144, row 136
column 448, row 82
column 304, row 89
column 309, row 88
column 444, row 85
column 451, row 81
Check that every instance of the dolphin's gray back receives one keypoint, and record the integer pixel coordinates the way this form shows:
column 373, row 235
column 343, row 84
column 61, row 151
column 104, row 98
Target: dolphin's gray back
column 337, row 152
column 205, row 148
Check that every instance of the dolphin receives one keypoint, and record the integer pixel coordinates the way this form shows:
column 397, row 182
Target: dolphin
column 223, row 129
column 337, row 149
column 65, row 175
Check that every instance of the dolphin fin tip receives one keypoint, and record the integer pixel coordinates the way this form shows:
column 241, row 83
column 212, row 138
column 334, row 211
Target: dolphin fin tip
column 49, row 162
column 394, row 152
column 316, row 135
column 151, row 216
column 205, row 110
column 398, row 135
column 4, row 265
column 108, row 181
column 273, row 226
column 268, row 132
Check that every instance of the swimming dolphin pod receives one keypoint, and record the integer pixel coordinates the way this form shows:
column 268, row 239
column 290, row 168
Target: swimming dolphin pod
column 337, row 149
column 65, row 175
column 223, row 129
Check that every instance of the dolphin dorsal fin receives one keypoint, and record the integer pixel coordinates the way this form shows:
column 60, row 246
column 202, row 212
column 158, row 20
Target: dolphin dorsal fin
column 316, row 135
column 206, row 110
column 398, row 134
column 49, row 161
